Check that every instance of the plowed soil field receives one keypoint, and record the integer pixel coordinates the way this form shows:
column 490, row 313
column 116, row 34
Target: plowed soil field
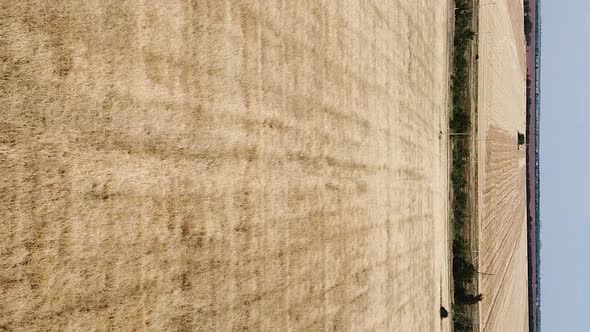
column 501, row 168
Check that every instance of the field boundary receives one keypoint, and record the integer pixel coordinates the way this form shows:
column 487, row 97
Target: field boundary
column 463, row 193
column 473, row 169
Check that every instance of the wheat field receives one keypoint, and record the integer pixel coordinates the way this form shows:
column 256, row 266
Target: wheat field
column 502, row 168
column 223, row 165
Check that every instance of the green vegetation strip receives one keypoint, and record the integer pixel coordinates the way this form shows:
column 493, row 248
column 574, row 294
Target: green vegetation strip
column 464, row 272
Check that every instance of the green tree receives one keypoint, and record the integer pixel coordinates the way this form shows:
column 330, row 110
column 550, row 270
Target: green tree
column 443, row 312
column 521, row 139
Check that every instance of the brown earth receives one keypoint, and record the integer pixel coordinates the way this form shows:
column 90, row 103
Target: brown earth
column 501, row 168
column 532, row 170
column 223, row 165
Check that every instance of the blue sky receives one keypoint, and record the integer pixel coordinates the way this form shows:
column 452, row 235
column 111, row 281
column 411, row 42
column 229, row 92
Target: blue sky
column 565, row 166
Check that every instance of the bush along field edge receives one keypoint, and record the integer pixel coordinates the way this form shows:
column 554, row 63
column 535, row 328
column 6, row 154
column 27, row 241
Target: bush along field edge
column 464, row 272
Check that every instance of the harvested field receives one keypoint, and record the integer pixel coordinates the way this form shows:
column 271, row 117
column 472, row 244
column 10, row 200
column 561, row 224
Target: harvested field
column 224, row 165
column 501, row 168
